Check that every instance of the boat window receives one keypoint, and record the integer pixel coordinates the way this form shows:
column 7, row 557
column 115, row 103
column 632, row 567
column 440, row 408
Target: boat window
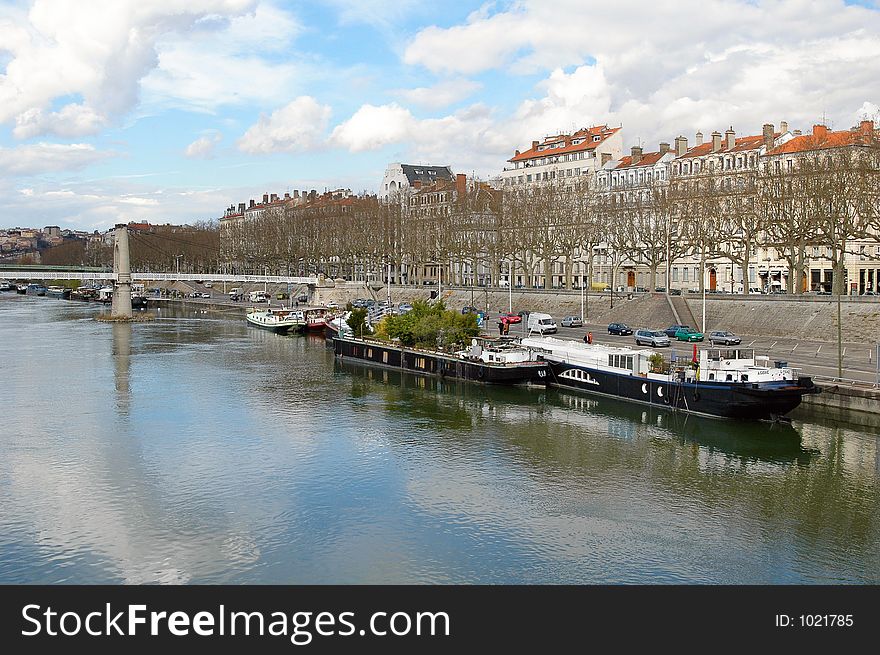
column 729, row 377
column 711, row 376
column 385, row 357
column 370, row 353
column 744, row 378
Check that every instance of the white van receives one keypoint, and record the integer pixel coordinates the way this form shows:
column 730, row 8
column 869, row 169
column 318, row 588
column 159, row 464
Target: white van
column 258, row 296
column 541, row 323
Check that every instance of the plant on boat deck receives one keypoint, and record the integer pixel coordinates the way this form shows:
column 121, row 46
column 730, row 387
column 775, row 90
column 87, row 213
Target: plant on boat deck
column 658, row 364
column 429, row 326
column 357, row 321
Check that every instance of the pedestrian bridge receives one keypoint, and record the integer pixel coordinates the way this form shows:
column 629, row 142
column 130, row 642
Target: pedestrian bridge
column 146, row 276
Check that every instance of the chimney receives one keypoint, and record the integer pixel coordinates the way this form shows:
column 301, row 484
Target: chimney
column 867, row 128
column 783, row 126
column 699, row 139
column 681, row 145
column 252, row 203
column 664, row 148
column 716, row 141
column 636, row 154
column 461, row 184
column 605, row 157
column 797, row 132
column 241, row 208
column 768, row 135
column 730, row 138
column 265, row 198
column 534, row 144
column 820, row 131
column 274, row 197
column 287, row 196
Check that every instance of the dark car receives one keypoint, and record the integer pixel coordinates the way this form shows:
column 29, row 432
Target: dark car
column 724, row 338
column 619, row 328
column 672, row 329
column 675, row 292
column 467, row 309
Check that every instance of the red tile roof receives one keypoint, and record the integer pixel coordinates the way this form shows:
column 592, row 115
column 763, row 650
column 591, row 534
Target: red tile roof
column 822, row 139
column 742, row 144
column 587, row 134
column 648, row 159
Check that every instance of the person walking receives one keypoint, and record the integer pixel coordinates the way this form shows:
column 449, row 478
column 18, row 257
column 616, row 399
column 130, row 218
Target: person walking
column 589, row 337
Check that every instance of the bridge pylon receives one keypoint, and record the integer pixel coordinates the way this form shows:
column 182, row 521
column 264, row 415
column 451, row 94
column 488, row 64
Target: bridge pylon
column 121, row 304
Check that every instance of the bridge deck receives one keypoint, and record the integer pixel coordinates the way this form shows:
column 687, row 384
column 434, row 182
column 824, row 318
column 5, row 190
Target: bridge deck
column 154, row 277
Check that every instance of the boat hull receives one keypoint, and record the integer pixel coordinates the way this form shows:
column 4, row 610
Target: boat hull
column 432, row 363
column 751, row 401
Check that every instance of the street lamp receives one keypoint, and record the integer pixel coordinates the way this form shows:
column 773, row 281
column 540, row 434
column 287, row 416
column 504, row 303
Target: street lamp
column 177, row 262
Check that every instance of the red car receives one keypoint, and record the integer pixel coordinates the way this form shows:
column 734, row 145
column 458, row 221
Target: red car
column 511, row 318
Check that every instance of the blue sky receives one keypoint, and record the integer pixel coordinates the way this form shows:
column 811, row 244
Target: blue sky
column 162, row 111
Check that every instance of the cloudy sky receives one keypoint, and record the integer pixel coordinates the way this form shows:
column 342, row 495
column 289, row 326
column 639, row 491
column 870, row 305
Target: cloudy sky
column 166, row 111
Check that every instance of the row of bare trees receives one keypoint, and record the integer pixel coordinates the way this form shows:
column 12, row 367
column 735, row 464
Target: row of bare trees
column 828, row 201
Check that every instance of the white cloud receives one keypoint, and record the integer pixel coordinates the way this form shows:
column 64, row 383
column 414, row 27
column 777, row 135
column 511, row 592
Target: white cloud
column 203, row 147
column 442, row 94
column 48, row 157
column 672, row 69
column 227, row 62
column 371, row 128
column 295, row 127
column 76, row 65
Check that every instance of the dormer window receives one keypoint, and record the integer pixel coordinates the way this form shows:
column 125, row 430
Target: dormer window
column 597, row 138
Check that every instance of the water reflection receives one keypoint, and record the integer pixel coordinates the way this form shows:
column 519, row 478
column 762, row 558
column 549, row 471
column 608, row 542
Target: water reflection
column 196, row 449
column 122, row 364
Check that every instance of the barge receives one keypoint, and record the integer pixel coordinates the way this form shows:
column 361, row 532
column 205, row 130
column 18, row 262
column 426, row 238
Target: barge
column 488, row 360
column 717, row 382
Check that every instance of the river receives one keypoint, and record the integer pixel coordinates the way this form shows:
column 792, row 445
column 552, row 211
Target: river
column 196, row 449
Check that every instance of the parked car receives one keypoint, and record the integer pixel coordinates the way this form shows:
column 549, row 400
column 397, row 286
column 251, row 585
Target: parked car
column 510, row 317
column 208, row 285
column 660, row 289
column 687, row 334
column 651, row 338
column 333, row 304
column 724, row 338
column 468, row 309
column 404, row 307
column 204, row 294
column 303, row 298
column 572, row 321
column 641, row 289
column 672, row 329
column 621, row 329
column 281, row 296
column 675, row 292
column 194, row 294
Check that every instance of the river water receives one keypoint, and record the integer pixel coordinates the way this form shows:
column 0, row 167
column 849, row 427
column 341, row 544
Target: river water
column 195, row 449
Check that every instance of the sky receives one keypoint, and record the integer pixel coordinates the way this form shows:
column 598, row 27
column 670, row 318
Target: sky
column 168, row 112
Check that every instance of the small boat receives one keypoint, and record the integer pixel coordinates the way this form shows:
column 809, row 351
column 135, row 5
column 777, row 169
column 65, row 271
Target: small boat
column 716, row 382
column 5, row 285
column 58, row 292
column 138, row 301
column 488, row 360
column 21, row 289
column 84, row 293
column 315, row 318
column 277, row 320
column 105, row 295
column 35, row 290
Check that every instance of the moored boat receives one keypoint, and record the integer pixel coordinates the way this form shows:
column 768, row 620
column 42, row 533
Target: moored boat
column 488, row 360
column 717, row 382
column 21, row 289
column 58, row 292
column 5, row 285
column 315, row 318
column 277, row 320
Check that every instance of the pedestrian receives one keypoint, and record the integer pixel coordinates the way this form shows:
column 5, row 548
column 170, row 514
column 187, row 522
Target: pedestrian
column 507, row 328
column 500, row 328
column 589, row 337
